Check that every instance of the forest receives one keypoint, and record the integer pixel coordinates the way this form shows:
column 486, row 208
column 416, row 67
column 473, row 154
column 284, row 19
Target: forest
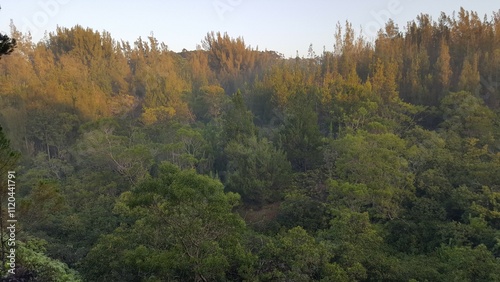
column 373, row 161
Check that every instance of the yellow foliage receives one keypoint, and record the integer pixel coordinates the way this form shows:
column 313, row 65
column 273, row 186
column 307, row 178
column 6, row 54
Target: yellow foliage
column 158, row 114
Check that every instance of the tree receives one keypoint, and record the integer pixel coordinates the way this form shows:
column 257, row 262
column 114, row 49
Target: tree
column 443, row 67
column 52, row 130
column 237, row 122
column 303, row 210
column 300, row 135
column 466, row 115
column 8, row 162
column 295, row 255
column 358, row 245
column 178, row 225
column 158, row 82
column 469, row 77
column 379, row 161
column 7, row 45
column 8, row 157
column 34, row 265
column 230, row 59
column 42, row 205
column 469, row 264
column 188, row 149
column 384, row 80
column 257, row 171
column 113, row 151
column 207, row 103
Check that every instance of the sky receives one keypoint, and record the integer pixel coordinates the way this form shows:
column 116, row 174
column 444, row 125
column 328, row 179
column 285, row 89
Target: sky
column 287, row 27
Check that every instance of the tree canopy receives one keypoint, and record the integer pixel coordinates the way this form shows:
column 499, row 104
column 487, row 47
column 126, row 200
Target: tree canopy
column 374, row 161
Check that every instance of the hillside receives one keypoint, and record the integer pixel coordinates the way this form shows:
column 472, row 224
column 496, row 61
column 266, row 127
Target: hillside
column 375, row 161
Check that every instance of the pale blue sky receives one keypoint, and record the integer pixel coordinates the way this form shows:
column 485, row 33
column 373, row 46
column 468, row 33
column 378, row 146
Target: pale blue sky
column 279, row 25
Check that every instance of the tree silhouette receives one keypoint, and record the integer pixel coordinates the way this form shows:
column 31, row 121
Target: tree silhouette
column 7, row 44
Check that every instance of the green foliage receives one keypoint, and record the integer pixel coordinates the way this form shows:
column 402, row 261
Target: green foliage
column 300, row 135
column 379, row 161
column 257, row 171
column 207, row 103
column 8, row 156
column 467, row 264
column 189, row 149
column 237, row 122
column 384, row 163
column 8, row 160
column 466, row 115
column 301, row 210
column 8, row 163
column 42, row 204
column 179, row 224
column 34, row 263
column 358, row 245
column 298, row 256
column 117, row 152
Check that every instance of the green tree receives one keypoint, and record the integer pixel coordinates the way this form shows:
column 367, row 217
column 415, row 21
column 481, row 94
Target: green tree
column 8, row 157
column 43, row 205
column 237, row 122
column 379, row 161
column 176, row 226
column 300, row 134
column 302, row 210
column 114, row 151
column 469, row 264
column 467, row 115
column 208, row 102
column 188, row 149
column 358, row 247
column 296, row 255
column 8, row 163
column 257, row 171
column 35, row 265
